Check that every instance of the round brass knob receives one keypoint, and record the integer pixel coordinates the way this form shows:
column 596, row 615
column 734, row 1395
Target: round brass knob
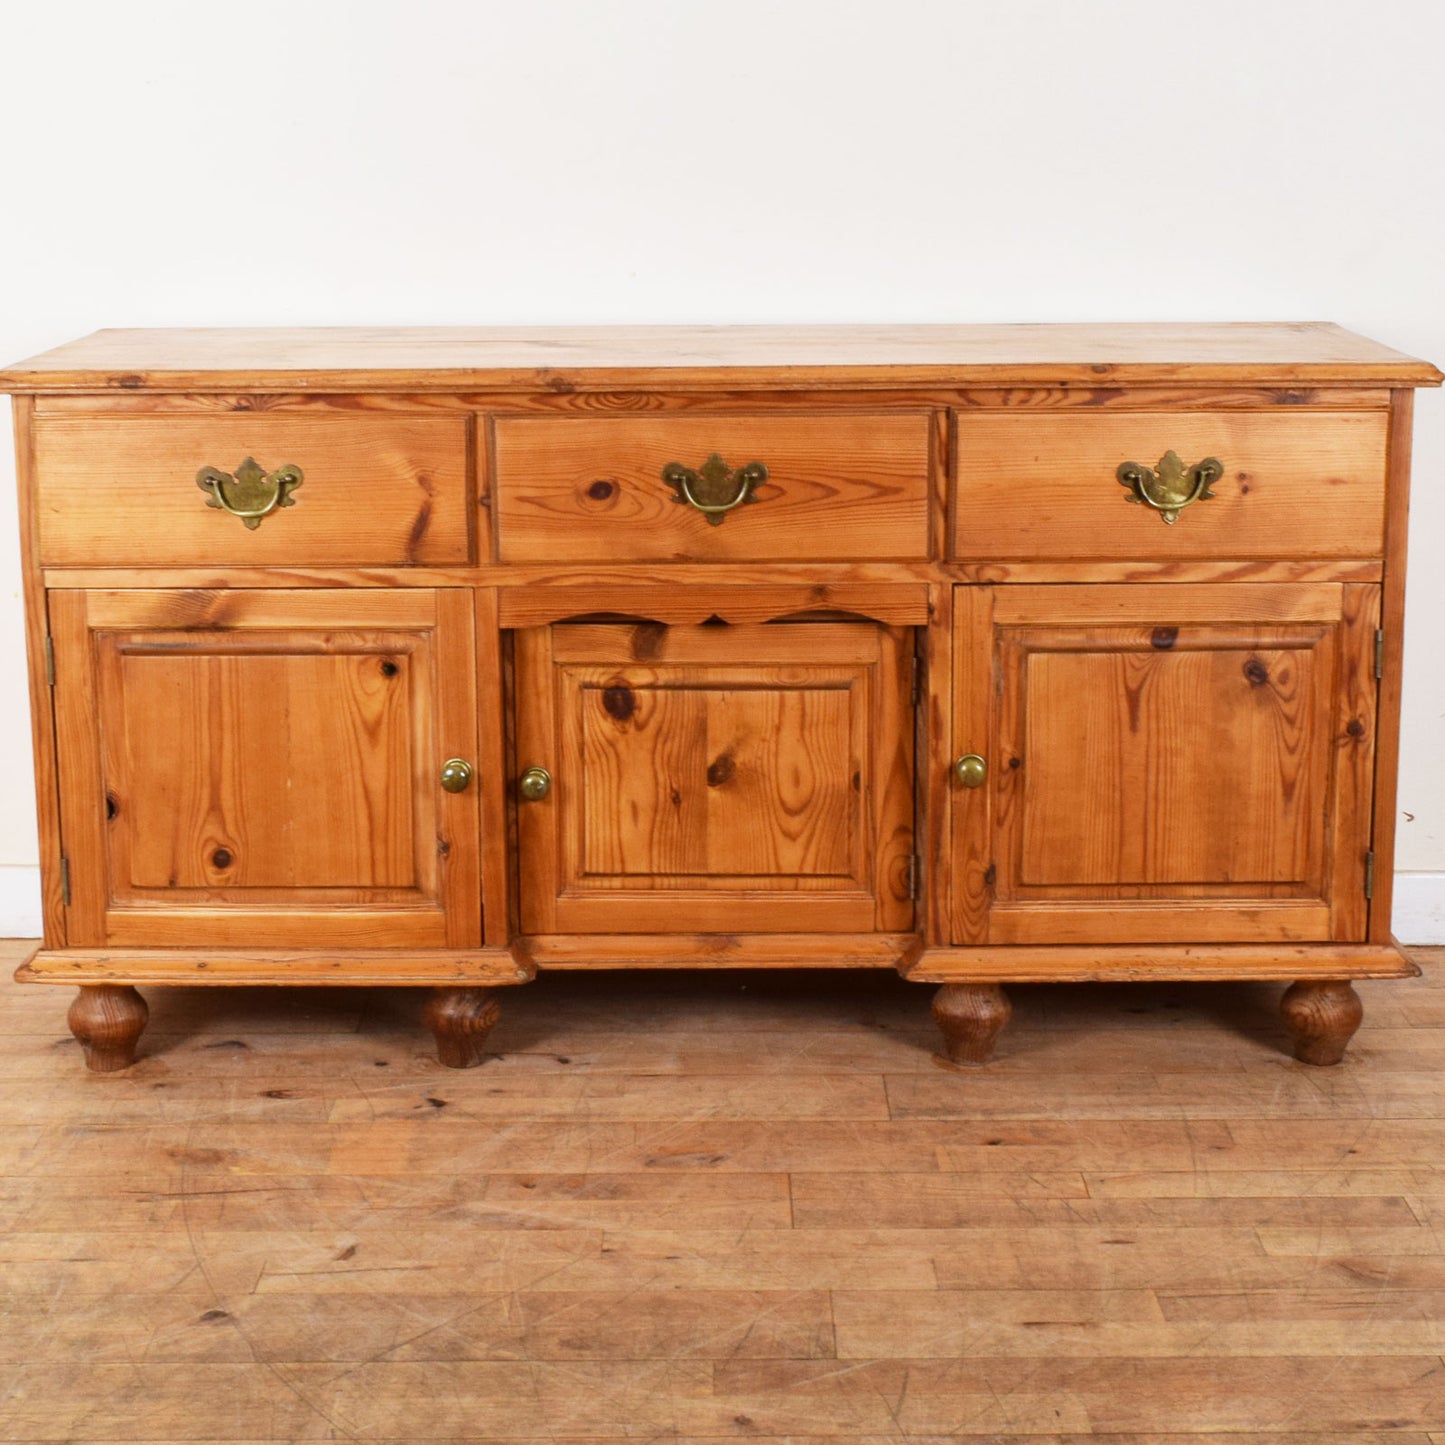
column 535, row 784
column 456, row 774
column 970, row 770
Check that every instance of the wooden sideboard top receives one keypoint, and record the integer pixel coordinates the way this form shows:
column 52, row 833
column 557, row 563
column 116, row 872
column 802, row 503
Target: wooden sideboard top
column 415, row 359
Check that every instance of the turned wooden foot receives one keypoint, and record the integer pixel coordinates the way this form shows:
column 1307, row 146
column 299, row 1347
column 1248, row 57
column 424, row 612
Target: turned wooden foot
column 1321, row 1019
column 972, row 1016
column 107, row 1019
column 461, row 1019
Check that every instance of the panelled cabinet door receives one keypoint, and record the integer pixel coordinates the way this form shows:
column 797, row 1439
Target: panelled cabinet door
column 263, row 767
column 716, row 778
column 1165, row 763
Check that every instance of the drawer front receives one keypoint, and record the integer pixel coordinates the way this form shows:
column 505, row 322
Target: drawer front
column 1291, row 484
column 839, row 486
column 374, row 490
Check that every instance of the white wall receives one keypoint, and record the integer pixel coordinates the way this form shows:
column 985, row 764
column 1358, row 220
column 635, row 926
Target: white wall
column 437, row 161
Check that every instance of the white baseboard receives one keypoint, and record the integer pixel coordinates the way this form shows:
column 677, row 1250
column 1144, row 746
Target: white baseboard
column 20, row 902
column 1419, row 913
column 1419, row 905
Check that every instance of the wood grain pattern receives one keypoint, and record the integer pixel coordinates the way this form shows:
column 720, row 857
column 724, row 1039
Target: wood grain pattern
column 1115, row 714
column 250, row 762
column 1140, row 1223
column 533, row 606
column 460, row 1019
column 932, row 751
column 42, row 701
column 285, row 968
column 720, row 950
column 1392, row 657
column 1151, row 738
column 1190, row 765
column 715, row 778
column 840, row 485
column 888, row 578
column 1125, row 963
column 1294, row 484
column 970, row 1016
column 1322, row 1019
column 494, row 860
column 375, row 490
column 420, row 359
column 107, row 1021
column 1207, row 396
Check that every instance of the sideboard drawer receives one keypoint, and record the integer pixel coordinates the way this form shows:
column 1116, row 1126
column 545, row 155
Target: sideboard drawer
column 1290, row 484
column 843, row 485
column 374, row 490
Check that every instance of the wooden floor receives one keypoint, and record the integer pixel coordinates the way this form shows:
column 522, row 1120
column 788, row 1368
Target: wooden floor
column 724, row 1207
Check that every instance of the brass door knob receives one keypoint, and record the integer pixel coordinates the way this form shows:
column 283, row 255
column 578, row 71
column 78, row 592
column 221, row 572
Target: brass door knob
column 535, row 784
column 970, row 770
column 456, row 774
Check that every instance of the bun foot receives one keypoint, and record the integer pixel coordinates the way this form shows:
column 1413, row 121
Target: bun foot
column 1321, row 1019
column 972, row 1016
column 461, row 1019
column 107, row 1019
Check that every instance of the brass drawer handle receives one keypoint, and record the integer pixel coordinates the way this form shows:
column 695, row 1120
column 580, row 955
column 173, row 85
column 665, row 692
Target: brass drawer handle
column 535, row 784
column 456, row 775
column 1172, row 486
column 715, row 488
column 971, row 770
column 249, row 493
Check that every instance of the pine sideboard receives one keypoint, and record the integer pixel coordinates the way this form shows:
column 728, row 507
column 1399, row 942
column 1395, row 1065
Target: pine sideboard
column 985, row 654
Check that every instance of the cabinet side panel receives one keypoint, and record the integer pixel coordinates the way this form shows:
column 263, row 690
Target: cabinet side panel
column 42, row 716
column 1353, row 755
column 1387, row 756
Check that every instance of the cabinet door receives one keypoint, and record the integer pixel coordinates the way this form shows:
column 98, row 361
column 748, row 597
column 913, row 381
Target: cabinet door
column 1167, row 764
column 262, row 768
column 715, row 778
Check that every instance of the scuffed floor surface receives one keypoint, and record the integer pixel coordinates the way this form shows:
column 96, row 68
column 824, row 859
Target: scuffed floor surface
column 694, row 1208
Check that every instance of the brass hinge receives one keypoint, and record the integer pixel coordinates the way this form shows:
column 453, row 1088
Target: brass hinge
column 65, row 880
column 915, row 873
column 49, row 660
column 1370, row 874
column 1379, row 653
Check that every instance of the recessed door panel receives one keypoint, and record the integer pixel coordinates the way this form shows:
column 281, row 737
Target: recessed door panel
column 715, row 778
column 1167, row 764
column 263, row 768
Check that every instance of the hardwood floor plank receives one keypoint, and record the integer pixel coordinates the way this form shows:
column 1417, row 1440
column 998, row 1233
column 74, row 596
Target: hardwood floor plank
column 177, row 1200
column 583, row 1095
column 451, row 1260
column 1019, row 1324
column 1272, row 1091
column 957, row 1201
column 184, row 1326
column 1278, row 1183
column 1384, row 1303
column 1182, row 1260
